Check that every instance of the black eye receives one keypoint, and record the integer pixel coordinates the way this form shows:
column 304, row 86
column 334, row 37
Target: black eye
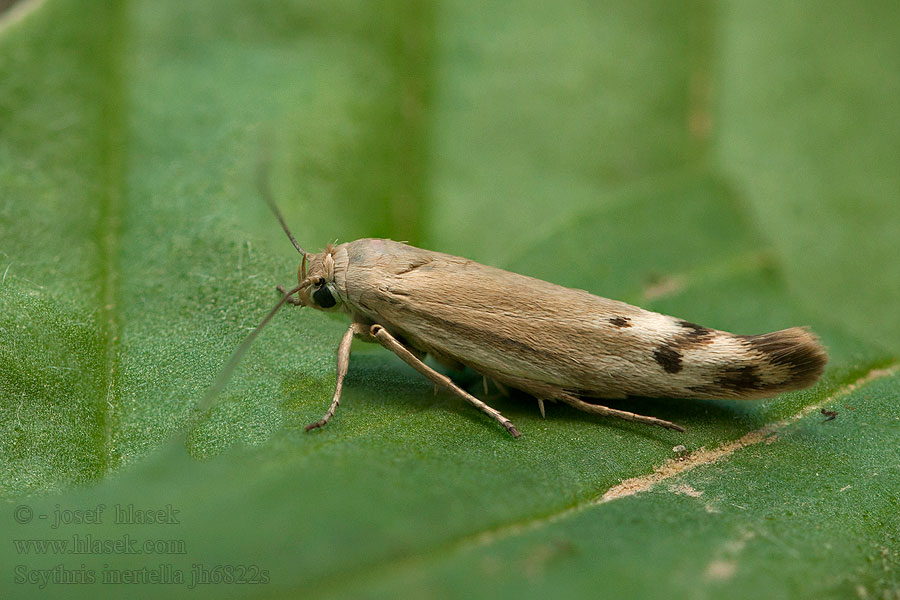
column 323, row 297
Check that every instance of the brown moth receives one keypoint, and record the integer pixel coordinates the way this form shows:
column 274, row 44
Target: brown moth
column 553, row 342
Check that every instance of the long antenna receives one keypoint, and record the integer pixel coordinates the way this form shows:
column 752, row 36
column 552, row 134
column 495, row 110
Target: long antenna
column 225, row 373
column 262, row 181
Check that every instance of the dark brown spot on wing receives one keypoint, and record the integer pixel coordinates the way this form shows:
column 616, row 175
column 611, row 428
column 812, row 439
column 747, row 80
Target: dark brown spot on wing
column 668, row 358
column 621, row 321
column 693, row 336
column 786, row 350
column 740, row 378
column 669, row 354
column 695, row 330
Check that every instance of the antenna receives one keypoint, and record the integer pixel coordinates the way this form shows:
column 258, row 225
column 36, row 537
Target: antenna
column 262, row 181
column 232, row 363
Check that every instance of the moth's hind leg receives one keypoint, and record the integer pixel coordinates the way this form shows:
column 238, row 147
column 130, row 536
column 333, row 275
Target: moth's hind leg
column 391, row 343
column 599, row 409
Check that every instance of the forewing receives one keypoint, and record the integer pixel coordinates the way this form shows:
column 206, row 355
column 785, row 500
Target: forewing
column 554, row 341
column 509, row 326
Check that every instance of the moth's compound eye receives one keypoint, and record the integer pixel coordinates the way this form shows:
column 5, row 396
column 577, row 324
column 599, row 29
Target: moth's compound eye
column 323, row 297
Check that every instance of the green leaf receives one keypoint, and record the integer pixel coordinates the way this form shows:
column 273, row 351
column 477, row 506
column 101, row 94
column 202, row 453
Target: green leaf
column 731, row 165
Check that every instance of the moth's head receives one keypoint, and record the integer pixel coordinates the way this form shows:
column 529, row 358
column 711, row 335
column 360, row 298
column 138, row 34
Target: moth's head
column 317, row 272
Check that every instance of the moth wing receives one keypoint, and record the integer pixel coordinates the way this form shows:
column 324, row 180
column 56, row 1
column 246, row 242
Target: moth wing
column 554, row 342
column 525, row 332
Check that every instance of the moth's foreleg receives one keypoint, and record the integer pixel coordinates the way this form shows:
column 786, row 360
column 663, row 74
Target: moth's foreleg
column 621, row 414
column 343, row 360
column 391, row 343
column 292, row 300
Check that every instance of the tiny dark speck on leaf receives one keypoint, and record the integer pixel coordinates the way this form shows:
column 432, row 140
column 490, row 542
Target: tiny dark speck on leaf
column 829, row 414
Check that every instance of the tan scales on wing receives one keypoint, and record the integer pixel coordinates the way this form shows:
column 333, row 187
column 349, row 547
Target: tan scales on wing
column 557, row 342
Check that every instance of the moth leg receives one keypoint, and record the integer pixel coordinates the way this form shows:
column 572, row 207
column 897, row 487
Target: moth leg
column 292, row 300
column 391, row 343
column 343, row 360
column 541, row 406
column 599, row 409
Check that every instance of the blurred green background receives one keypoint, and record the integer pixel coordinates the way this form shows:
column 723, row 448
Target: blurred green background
column 735, row 164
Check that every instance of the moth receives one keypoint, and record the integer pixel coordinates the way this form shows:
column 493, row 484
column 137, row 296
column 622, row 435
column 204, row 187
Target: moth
column 552, row 342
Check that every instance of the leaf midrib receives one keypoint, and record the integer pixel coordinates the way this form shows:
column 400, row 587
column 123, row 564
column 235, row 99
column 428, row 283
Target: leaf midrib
column 109, row 223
